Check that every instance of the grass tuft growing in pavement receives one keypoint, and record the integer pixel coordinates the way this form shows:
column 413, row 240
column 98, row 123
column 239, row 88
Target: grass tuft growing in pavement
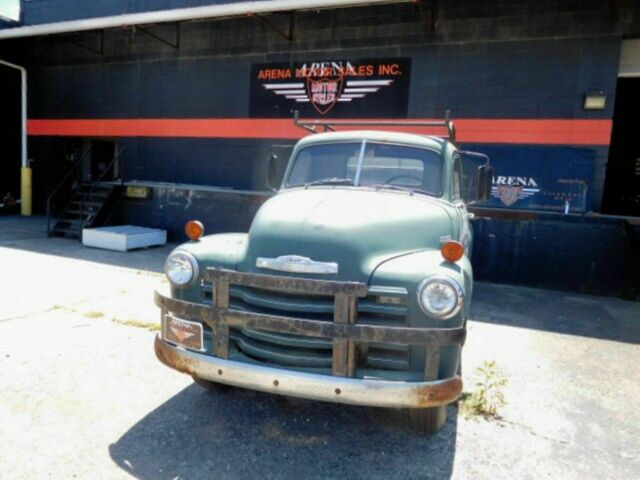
column 132, row 322
column 488, row 397
column 94, row 314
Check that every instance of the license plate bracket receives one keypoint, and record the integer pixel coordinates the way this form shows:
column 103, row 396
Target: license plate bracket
column 183, row 333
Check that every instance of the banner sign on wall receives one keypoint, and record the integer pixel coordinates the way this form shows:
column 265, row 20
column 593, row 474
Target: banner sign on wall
column 540, row 178
column 332, row 88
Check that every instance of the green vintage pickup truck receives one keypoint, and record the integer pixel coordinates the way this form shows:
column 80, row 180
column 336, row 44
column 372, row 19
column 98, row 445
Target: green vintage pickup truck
column 353, row 284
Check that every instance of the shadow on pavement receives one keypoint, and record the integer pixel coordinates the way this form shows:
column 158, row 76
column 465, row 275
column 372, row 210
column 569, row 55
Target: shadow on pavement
column 246, row 434
column 30, row 234
column 559, row 312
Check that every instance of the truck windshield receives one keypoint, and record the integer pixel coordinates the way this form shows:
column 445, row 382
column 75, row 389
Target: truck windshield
column 368, row 164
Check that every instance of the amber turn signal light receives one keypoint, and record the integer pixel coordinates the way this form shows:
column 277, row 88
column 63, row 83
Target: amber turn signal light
column 452, row 251
column 194, row 229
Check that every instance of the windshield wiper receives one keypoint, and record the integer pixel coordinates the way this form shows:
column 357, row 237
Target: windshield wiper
column 331, row 181
column 400, row 188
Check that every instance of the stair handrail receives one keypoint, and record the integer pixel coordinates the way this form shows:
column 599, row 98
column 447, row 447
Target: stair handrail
column 56, row 190
column 94, row 183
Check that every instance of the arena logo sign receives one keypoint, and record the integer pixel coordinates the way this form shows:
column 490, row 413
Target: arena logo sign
column 511, row 189
column 337, row 88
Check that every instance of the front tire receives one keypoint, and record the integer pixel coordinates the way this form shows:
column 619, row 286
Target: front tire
column 209, row 385
column 428, row 420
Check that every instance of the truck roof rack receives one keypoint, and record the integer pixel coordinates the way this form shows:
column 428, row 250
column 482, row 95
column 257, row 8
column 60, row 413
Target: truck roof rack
column 330, row 125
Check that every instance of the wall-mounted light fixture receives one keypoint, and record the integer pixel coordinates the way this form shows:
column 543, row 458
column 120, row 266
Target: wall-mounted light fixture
column 137, row 192
column 595, row 101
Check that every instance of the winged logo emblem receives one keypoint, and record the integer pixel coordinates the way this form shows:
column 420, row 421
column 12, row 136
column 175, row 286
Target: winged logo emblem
column 296, row 264
column 326, row 92
column 510, row 190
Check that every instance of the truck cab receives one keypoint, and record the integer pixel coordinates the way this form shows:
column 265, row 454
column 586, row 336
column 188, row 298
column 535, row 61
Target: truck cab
column 353, row 284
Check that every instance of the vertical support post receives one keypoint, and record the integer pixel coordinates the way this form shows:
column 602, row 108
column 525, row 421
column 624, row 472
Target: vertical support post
column 26, row 174
column 432, row 362
column 351, row 344
column 25, row 191
column 344, row 350
column 221, row 330
column 23, row 116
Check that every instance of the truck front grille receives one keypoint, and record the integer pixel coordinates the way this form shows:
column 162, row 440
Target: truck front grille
column 312, row 352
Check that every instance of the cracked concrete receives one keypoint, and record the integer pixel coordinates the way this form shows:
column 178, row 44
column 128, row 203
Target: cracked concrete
column 83, row 396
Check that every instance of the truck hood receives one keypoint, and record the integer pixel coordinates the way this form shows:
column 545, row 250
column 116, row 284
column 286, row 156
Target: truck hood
column 356, row 228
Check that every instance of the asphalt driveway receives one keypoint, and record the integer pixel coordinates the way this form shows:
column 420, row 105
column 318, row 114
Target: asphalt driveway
column 82, row 395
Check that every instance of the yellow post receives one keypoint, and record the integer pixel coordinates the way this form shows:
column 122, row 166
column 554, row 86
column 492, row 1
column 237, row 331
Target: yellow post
column 25, row 193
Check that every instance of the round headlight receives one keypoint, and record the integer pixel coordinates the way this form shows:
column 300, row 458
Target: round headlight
column 440, row 297
column 181, row 268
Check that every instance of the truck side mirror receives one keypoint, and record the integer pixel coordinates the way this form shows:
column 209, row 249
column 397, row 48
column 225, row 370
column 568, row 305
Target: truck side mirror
column 277, row 165
column 477, row 176
column 485, row 179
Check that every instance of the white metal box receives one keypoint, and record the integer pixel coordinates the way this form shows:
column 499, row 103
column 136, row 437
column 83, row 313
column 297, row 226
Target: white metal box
column 123, row 238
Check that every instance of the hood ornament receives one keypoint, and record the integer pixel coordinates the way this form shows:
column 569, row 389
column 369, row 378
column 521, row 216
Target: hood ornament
column 296, row 264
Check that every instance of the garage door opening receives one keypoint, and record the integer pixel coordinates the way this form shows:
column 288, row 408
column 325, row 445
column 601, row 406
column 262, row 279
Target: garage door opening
column 622, row 184
column 10, row 140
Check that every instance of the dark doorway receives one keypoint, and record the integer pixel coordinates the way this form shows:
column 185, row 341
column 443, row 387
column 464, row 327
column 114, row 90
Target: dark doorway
column 101, row 167
column 622, row 183
column 56, row 170
column 10, row 134
column 61, row 165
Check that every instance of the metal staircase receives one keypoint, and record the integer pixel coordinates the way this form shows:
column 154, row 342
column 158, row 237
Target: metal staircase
column 86, row 207
column 75, row 205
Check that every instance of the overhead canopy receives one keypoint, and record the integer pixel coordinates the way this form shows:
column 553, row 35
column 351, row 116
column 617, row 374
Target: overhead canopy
column 226, row 9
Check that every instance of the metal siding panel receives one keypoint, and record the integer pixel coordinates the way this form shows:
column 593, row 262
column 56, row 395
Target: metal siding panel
column 540, row 252
column 37, row 12
column 215, row 162
column 486, row 80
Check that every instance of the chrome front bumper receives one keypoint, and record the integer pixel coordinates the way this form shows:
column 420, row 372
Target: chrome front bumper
column 374, row 393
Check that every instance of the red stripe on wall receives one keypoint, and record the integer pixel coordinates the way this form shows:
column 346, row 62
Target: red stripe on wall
column 547, row 132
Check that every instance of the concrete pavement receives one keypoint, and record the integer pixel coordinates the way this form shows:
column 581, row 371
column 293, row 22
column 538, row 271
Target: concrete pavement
column 82, row 395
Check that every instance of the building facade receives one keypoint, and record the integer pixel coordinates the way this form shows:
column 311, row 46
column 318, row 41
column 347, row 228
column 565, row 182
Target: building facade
column 196, row 107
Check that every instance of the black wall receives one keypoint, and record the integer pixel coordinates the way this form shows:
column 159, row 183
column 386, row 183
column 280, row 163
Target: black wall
column 581, row 254
column 171, row 208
